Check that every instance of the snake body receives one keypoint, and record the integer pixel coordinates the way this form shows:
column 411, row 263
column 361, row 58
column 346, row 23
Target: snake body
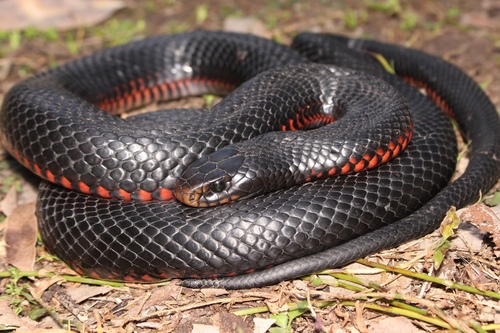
column 54, row 124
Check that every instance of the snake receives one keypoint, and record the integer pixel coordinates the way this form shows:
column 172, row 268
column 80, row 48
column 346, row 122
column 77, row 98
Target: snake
column 316, row 156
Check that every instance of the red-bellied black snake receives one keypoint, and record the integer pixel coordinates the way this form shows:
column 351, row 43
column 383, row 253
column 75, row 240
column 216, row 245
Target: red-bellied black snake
column 55, row 125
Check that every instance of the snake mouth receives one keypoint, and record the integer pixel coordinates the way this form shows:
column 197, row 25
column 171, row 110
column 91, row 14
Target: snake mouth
column 209, row 194
column 209, row 181
column 188, row 196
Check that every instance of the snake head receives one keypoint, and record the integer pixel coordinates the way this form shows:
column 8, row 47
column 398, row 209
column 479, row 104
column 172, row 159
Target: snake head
column 209, row 180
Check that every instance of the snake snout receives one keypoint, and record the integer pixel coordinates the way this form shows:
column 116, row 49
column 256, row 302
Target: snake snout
column 208, row 181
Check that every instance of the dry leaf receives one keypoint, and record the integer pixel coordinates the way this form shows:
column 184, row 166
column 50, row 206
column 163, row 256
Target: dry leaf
column 213, row 292
column 249, row 25
column 43, row 285
column 161, row 294
column 84, row 292
column 60, row 14
column 336, row 329
column 480, row 19
column 359, row 322
column 300, row 285
column 496, row 211
column 469, row 236
column 150, row 324
column 342, row 314
column 9, row 318
column 9, row 202
column 485, row 219
column 20, row 237
column 488, row 313
column 198, row 328
column 275, row 305
column 29, row 193
column 394, row 325
column 41, row 330
column 230, row 323
column 261, row 325
column 448, row 268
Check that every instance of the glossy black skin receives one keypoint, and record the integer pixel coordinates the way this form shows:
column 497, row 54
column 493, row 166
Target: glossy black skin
column 335, row 121
column 317, row 225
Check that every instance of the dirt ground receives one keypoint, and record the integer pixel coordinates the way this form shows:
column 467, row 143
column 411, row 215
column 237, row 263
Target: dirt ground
column 360, row 298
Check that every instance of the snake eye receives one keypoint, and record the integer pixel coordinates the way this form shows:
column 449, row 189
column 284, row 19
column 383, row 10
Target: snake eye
column 218, row 186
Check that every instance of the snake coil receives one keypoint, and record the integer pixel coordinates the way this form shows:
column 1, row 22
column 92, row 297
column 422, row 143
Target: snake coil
column 54, row 124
